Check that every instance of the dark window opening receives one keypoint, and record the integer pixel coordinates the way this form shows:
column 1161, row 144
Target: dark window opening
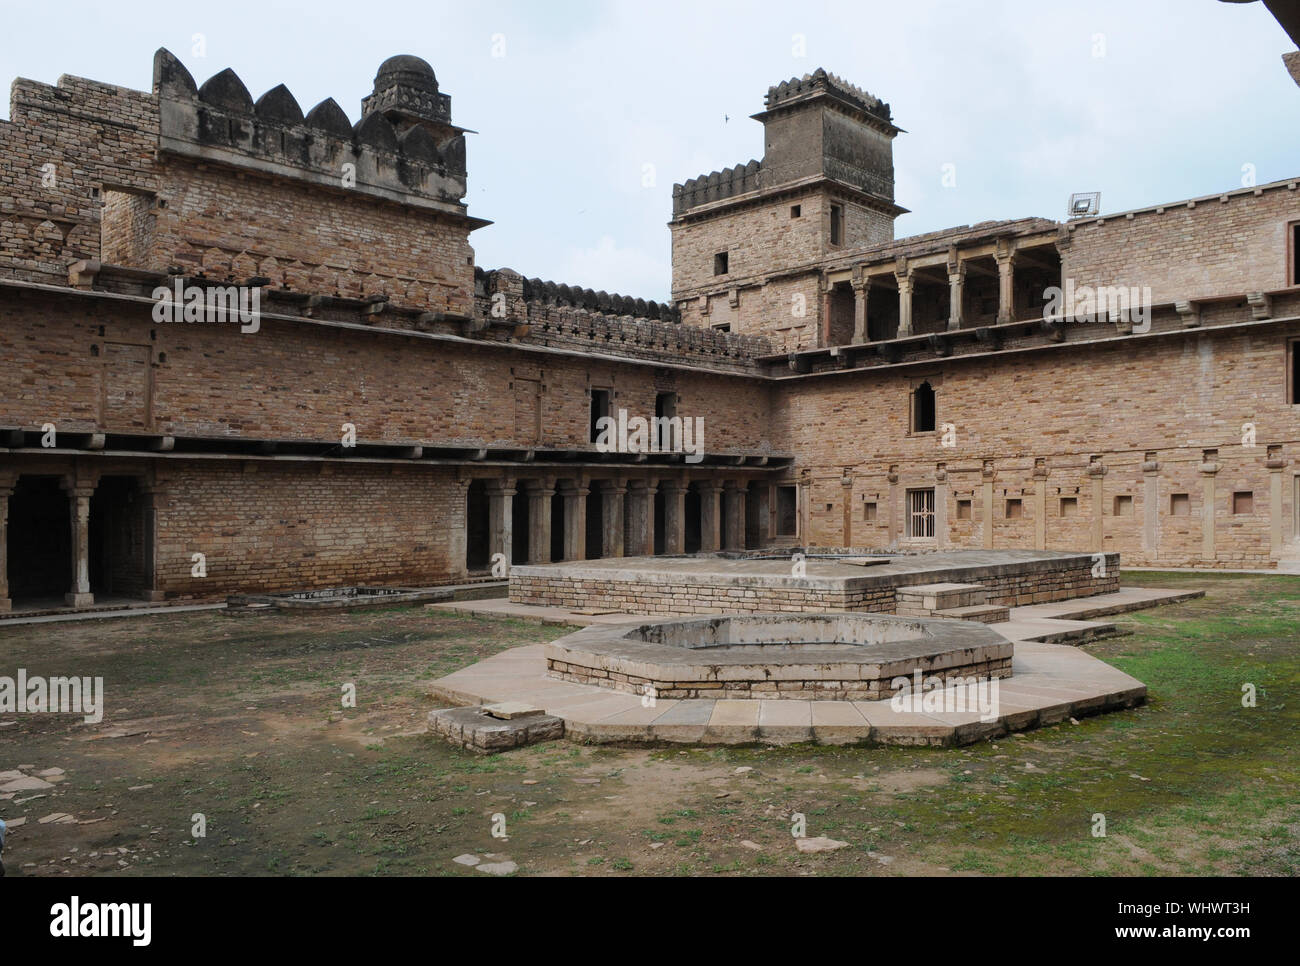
column 720, row 264
column 923, row 408
column 40, row 541
column 796, row 211
column 1293, row 349
column 599, row 410
column 837, row 224
column 668, row 433
column 787, row 517
column 1295, row 253
column 477, row 527
column 723, row 327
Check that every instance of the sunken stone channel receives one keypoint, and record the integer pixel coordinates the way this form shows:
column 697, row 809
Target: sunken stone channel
column 830, row 657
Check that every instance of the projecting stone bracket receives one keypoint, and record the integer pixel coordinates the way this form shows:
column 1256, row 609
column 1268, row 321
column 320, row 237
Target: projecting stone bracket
column 1261, row 305
column 1189, row 312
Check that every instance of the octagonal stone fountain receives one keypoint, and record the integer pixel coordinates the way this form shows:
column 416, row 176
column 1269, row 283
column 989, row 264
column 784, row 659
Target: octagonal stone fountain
column 831, row 657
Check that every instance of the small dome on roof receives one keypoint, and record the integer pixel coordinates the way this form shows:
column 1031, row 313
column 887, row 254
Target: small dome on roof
column 406, row 70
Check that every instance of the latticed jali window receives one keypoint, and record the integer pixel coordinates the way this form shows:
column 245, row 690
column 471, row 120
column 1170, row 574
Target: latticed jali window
column 920, row 513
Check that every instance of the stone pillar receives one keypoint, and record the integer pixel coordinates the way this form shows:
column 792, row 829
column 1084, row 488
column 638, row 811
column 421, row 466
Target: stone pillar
column 895, row 514
column 674, row 515
column 1006, row 259
column 861, row 291
column 79, row 493
column 152, row 494
column 501, row 522
column 904, row 303
column 734, row 532
column 611, row 511
column 1097, row 471
column 941, row 506
column 1209, row 468
column 6, row 491
column 539, row 519
column 710, row 516
column 1151, row 508
column 574, row 494
column 987, row 475
column 639, row 538
column 827, row 299
column 846, row 482
column 762, row 496
column 1275, row 464
column 956, row 284
column 1040, row 504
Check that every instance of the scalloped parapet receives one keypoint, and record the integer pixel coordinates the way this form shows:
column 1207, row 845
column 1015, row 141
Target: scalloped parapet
column 717, row 185
column 821, row 81
column 381, row 155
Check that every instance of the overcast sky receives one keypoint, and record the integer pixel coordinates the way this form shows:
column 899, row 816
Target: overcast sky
column 1146, row 101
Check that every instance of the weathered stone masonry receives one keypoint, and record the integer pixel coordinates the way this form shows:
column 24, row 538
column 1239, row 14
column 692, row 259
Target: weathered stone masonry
column 826, row 359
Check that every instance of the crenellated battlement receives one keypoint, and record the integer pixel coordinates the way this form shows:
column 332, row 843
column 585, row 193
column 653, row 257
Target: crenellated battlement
column 715, row 186
column 821, row 81
column 403, row 148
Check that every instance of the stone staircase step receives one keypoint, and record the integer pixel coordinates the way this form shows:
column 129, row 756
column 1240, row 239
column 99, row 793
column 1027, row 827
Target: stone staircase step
column 984, row 613
column 919, row 600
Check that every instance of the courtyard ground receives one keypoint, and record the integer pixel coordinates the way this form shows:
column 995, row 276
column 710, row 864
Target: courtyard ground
column 239, row 719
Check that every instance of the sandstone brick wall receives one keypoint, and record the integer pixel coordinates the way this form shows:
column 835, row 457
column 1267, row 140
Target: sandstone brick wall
column 92, row 365
column 1031, row 585
column 92, row 135
column 229, row 224
column 1190, row 249
column 100, row 143
column 278, row 527
column 1177, row 398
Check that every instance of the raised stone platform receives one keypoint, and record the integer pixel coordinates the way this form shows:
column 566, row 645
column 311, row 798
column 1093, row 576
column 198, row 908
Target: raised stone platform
column 681, row 586
column 1051, row 683
column 822, row 657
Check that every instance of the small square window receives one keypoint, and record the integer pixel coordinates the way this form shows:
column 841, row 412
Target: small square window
column 1180, row 505
column 1015, row 509
column 868, row 512
column 720, row 264
column 1243, row 501
column 963, row 509
column 1069, row 506
column 1123, row 505
column 796, row 211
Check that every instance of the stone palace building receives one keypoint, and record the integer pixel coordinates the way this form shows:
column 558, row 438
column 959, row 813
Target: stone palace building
column 247, row 348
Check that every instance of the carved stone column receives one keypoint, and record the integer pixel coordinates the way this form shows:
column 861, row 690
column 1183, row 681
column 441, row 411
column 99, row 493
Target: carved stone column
column 639, row 537
column 1209, row 469
column 956, row 286
column 734, row 534
column 574, row 494
column 153, row 495
column 861, row 293
column 1006, row 259
column 539, row 519
column 611, row 511
column 674, row 515
column 79, row 493
column 501, row 522
column 710, row 516
column 904, row 303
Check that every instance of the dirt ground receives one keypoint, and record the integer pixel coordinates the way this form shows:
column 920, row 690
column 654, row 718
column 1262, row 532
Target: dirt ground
column 239, row 720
